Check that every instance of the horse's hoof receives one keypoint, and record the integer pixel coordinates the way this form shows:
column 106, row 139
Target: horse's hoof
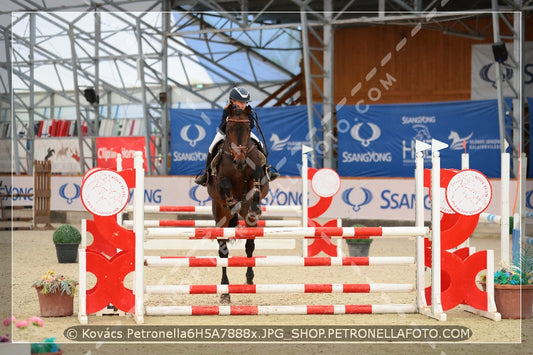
column 225, row 298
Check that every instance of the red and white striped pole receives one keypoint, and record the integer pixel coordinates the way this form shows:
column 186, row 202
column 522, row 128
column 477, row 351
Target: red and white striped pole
column 293, row 232
column 297, row 309
column 211, row 223
column 297, row 210
column 278, row 288
column 243, row 261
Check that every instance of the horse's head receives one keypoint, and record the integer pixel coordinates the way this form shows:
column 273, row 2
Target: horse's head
column 238, row 134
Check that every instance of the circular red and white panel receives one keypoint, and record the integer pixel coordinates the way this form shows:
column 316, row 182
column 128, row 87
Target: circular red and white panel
column 326, row 182
column 104, row 193
column 469, row 192
column 89, row 173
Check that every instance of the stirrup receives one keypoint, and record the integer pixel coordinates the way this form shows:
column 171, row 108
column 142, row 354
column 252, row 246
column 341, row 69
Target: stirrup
column 272, row 173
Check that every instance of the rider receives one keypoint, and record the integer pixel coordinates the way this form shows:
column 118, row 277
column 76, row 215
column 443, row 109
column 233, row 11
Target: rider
column 238, row 97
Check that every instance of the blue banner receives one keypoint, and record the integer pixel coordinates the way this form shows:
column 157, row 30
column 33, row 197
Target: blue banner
column 379, row 140
column 285, row 130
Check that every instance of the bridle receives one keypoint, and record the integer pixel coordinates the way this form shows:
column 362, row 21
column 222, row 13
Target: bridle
column 237, row 150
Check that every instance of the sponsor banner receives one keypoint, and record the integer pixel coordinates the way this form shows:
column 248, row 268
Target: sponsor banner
column 65, row 192
column 62, row 152
column 483, row 80
column 191, row 134
column 107, row 149
column 358, row 198
column 285, row 129
column 379, row 140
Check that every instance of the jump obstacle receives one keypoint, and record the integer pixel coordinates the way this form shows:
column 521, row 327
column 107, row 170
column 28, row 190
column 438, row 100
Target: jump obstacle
column 429, row 301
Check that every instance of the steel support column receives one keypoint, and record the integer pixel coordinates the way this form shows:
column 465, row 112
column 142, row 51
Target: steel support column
column 166, row 104
column 308, row 88
column 328, row 109
column 79, row 120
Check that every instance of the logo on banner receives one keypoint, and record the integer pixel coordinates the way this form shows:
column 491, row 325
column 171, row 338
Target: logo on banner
column 361, row 198
column 365, row 142
column 368, row 136
column 529, row 203
column 69, row 193
column 193, row 195
column 457, row 141
column 184, row 134
column 485, row 74
column 422, row 133
column 279, row 144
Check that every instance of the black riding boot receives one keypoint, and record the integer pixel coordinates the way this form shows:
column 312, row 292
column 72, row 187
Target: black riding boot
column 270, row 171
column 202, row 180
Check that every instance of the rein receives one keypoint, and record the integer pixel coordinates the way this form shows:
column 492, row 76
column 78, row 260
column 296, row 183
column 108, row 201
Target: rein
column 256, row 121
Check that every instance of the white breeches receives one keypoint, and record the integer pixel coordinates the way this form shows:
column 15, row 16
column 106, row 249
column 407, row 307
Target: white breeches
column 220, row 136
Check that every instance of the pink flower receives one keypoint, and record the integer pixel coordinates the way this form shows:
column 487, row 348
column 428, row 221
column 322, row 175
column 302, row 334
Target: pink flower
column 22, row 324
column 9, row 320
column 36, row 321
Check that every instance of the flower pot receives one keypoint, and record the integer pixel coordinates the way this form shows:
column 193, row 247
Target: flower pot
column 55, row 304
column 359, row 248
column 67, row 252
column 507, row 299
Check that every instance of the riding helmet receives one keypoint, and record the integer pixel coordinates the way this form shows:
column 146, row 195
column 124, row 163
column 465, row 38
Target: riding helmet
column 239, row 94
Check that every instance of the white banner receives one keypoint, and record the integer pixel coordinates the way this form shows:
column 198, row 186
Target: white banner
column 358, row 198
column 483, row 76
column 62, row 152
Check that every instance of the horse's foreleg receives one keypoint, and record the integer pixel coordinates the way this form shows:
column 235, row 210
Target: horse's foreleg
column 224, row 190
column 250, row 247
column 223, row 252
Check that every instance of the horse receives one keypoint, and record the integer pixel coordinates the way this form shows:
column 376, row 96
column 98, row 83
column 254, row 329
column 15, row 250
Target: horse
column 237, row 185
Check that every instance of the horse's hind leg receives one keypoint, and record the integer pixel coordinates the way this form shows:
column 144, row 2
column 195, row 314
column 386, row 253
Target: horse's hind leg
column 223, row 252
column 250, row 247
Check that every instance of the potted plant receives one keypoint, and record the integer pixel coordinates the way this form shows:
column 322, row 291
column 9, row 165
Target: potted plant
column 514, row 283
column 358, row 247
column 56, row 294
column 67, row 239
